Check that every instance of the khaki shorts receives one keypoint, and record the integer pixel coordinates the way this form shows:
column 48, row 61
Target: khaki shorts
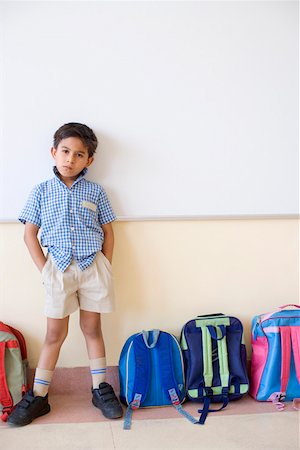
column 90, row 289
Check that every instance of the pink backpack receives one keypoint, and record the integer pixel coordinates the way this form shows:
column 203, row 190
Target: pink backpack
column 275, row 364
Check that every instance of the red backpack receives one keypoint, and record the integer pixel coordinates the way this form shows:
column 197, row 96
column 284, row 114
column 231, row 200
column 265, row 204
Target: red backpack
column 13, row 369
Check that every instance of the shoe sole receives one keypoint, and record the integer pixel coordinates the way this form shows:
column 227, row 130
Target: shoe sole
column 106, row 416
column 42, row 413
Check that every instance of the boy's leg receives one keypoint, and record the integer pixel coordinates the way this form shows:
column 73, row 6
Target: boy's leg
column 35, row 402
column 90, row 323
column 57, row 330
column 104, row 397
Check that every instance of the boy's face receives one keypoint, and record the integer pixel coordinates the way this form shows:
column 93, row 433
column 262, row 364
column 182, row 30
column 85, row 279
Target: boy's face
column 71, row 157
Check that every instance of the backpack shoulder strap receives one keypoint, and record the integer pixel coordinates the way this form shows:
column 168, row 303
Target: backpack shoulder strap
column 285, row 336
column 167, row 375
column 21, row 340
column 295, row 335
column 166, row 366
column 217, row 332
column 5, row 397
column 286, row 340
column 142, row 367
column 141, row 377
column 289, row 337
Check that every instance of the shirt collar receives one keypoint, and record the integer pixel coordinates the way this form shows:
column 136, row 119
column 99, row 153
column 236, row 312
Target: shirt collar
column 80, row 176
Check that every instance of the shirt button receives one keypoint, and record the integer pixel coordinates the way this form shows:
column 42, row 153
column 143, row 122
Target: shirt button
column 71, row 210
column 72, row 228
column 73, row 247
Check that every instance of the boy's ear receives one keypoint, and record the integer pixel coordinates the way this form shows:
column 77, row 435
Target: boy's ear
column 90, row 160
column 53, row 151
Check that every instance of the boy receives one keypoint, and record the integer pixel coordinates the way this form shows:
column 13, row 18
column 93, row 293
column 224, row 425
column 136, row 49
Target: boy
column 75, row 219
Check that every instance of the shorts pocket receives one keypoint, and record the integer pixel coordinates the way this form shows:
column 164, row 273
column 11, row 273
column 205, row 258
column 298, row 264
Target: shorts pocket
column 44, row 269
column 106, row 261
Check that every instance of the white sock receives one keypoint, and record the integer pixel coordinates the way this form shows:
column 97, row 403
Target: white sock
column 98, row 371
column 42, row 380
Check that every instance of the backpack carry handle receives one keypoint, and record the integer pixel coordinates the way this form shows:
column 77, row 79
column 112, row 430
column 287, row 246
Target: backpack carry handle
column 289, row 304
column 279, row 308
column 155, row 336
column 211, row 315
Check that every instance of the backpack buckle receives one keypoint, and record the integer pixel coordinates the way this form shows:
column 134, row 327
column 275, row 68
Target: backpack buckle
column 209, row 392
column 174, row 397
column 136, row 401
column 5, row 413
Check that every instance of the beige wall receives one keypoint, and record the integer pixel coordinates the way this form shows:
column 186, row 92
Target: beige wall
column 165, row 274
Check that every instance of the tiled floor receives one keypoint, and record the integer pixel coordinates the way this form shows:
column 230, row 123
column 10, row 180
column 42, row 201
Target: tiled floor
column 74, row 423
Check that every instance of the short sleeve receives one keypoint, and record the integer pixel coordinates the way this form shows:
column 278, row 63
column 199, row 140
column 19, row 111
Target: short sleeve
column 106, row 213
column 32, row 209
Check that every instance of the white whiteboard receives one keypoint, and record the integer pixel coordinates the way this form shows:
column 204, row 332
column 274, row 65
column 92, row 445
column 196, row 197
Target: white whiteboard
column 195, row 104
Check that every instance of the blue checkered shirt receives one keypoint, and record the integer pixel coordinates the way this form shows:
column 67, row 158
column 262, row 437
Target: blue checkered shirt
column 70, row 219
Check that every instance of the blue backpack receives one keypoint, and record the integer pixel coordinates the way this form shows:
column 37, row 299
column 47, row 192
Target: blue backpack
column 151, row 373
column 214, row 355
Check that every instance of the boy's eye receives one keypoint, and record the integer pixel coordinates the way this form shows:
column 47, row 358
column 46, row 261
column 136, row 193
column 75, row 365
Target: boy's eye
column 80, row 155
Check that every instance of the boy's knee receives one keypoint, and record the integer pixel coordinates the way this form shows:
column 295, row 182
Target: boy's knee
column 55, row 337
column 90, row 330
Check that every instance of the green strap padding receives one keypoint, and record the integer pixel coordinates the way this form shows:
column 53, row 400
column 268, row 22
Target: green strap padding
column 217, row 390
column 243, row 338
column 183, row 342
column 207, row 357
column 5, row 336
column 223, row 359
column 213, row 321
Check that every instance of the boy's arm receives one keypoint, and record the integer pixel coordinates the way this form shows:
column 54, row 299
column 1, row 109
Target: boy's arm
column 33, row 245
column 108, row 244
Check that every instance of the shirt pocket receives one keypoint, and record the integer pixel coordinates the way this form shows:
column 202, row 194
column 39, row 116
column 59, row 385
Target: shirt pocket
column 88, row 216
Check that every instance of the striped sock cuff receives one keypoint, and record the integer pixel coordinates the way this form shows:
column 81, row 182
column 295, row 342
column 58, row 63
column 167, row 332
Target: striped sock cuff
column 39, row 381
column 98, row 371
column 42, row 381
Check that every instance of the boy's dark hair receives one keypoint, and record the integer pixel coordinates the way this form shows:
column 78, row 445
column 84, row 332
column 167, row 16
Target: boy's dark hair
column 79, row 130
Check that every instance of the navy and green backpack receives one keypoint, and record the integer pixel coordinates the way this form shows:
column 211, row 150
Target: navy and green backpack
column 215, row 362
column 151, row 373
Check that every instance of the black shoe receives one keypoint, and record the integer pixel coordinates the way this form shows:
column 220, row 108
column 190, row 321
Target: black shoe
column 105, row 399
column 28, row 409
